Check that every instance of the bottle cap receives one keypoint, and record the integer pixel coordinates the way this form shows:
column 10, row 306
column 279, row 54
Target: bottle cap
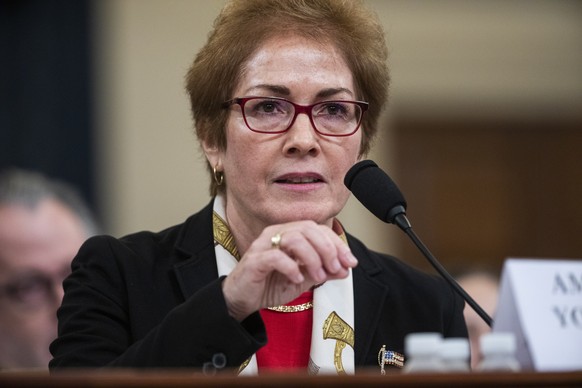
column 492, row 343
column 455, row 348
column 422, row 343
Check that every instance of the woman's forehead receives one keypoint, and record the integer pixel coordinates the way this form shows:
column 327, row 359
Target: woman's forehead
column 283, row 63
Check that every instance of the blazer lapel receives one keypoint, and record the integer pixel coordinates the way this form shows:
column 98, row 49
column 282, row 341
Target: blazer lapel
column 369, row 298
column 196, row 244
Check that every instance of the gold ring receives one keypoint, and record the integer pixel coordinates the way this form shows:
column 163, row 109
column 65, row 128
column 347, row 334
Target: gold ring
column 276, row 241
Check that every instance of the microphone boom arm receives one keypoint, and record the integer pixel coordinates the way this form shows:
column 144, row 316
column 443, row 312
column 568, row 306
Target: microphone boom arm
column 388, row 204
column 402, row 221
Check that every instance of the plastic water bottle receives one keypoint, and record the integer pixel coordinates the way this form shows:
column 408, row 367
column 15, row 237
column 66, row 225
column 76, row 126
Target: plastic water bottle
column 498, row 351
column 422, row 351
column 454, row 354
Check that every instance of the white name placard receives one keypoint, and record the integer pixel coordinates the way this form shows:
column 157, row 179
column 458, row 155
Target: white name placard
column 540, row 301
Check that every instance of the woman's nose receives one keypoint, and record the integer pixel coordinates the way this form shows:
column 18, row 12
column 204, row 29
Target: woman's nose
column 301, row 138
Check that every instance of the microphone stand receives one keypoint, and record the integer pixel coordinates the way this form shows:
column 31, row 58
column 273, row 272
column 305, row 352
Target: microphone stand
column 400, row 219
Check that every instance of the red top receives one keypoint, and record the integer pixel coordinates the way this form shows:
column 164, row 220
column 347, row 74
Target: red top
column 289, row 337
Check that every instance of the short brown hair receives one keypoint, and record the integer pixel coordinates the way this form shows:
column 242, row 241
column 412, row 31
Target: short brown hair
column 243, row 25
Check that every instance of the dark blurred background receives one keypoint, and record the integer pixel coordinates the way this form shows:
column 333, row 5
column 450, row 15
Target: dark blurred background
column 45, row 89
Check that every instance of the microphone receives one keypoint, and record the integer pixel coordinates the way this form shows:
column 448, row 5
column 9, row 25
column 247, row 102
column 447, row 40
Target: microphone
column 380, row 195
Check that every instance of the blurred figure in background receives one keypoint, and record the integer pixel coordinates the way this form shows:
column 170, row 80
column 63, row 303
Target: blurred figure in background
column 483, row 286
column 42, row 225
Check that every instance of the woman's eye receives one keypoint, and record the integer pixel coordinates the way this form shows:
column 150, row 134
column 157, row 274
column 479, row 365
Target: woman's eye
column 333, row 109
column 267, row 107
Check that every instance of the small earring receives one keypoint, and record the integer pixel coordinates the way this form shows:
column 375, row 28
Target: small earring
column 218, row 176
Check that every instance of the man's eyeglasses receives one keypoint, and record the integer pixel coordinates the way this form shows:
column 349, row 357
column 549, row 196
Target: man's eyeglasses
column 276, row 115
column 33, row 289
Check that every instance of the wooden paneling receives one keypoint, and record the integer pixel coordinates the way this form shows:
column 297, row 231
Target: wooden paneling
column 481, row 191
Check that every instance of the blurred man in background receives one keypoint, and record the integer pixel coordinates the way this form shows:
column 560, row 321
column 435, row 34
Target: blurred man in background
column 483, row 286
column 42, row 226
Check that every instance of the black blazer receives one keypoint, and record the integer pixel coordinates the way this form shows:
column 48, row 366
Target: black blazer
column 155, row 300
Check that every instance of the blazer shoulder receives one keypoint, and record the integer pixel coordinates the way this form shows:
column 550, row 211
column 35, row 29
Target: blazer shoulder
column 184, row 239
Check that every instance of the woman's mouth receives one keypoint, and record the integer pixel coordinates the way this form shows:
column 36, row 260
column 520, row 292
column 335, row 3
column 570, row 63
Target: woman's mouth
column 299, row 180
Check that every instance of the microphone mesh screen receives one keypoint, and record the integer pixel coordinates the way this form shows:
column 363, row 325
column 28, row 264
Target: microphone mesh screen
column 374, row 189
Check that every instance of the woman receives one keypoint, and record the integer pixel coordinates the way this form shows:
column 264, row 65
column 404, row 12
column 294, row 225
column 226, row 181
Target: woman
column 285, row 98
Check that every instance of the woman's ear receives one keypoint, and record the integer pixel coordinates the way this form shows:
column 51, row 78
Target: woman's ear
column 213, row 154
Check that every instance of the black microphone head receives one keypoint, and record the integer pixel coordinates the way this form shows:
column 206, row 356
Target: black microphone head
column 375, row 190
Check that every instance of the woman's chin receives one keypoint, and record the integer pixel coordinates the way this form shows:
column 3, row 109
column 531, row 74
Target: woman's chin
column 302, row 212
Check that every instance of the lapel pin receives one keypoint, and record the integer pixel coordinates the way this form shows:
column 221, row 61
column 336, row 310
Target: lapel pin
column 389, row 357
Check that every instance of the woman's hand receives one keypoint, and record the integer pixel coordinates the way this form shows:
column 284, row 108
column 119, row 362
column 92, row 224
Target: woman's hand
column 271, row 274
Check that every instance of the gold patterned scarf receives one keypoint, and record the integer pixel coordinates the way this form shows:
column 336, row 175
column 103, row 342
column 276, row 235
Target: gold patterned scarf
column 332, row 341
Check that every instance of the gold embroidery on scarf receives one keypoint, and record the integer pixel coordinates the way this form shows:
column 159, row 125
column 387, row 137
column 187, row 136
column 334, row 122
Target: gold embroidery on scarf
column 344, row 238
column 336, row 328
column 244, row 365
column 223, row 236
